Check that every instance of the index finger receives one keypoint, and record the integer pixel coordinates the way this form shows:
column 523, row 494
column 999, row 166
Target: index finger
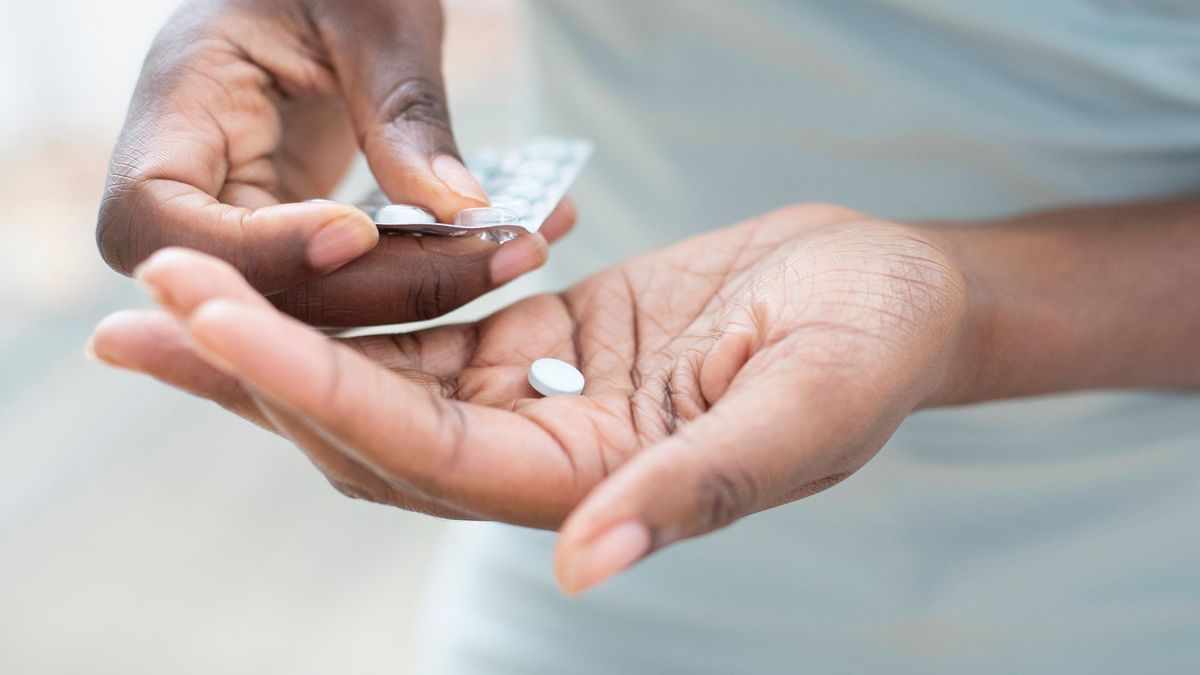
column 485, row 460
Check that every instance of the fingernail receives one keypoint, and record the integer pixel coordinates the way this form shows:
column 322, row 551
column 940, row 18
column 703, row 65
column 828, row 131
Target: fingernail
column 456, row 177
column 117, row 353
column 521, row 255
column 153, row 292
column 339, row 242
column 89, row 351
column 612, row 551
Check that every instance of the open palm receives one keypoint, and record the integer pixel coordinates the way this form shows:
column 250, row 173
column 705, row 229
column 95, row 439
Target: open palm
column 733, row 372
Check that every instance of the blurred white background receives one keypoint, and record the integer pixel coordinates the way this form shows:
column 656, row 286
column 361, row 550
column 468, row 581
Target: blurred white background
column 143, row 531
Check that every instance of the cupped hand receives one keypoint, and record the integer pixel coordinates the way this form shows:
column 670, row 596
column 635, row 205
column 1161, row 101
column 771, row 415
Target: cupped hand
column 731, row 373
column 247, row 108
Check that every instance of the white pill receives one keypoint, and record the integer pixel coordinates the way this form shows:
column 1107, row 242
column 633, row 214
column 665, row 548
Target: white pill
column 404, row 214
column 486, row 216
column 538, row 170
column 551, row 377
column 518, row 206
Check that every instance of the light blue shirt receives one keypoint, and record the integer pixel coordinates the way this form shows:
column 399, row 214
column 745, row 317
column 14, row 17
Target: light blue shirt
column 1057, row 534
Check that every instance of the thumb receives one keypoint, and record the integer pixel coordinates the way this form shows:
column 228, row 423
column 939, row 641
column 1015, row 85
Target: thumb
column 760, row 446
column 388, row 59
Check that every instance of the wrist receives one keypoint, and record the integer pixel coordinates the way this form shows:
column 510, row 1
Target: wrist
column 969, row 361
column 1076, row 298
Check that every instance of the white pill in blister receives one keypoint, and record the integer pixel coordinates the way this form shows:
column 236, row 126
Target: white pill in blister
column 404, row 214
column 539, row 170
column 551, row 377
column 484, row 161
column 515, row 204
column 485, row 216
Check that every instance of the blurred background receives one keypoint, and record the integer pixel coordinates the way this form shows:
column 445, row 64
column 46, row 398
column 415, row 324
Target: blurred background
column 141, row 530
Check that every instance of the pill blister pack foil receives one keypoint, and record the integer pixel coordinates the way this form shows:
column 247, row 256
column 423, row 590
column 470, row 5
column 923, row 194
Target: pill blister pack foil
column 524, row 184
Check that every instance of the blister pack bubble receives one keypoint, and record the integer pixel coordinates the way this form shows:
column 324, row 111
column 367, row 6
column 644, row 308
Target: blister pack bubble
column 524, row 185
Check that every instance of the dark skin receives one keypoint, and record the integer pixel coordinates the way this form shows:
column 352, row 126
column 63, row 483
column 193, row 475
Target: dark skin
column 733, row 372
column 246, row 106
column 688, row 352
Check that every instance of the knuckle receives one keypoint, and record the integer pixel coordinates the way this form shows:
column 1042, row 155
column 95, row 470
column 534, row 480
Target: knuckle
column 119, row 224
column 123, row 200
column 355, row 491
column 112, row 233
column 722, row 497
column 428, row 297
column 446, row 283
column 416, row 100
column 302, row 302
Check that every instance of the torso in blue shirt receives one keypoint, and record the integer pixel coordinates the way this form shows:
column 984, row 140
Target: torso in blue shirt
column 1054, row 534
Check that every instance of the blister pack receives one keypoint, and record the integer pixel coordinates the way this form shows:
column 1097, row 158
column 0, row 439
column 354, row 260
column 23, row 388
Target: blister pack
column 523, row 183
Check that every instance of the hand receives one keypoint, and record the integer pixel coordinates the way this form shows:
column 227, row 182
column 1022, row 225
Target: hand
column 731, row 373
column 245, row 106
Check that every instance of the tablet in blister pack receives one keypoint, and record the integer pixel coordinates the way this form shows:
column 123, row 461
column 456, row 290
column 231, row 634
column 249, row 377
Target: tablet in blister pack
column 524, row 185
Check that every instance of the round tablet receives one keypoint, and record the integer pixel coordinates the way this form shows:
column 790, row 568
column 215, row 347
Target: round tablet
column 404, row 214
column 551, row 377
column 485, row 216
column 517, row 205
